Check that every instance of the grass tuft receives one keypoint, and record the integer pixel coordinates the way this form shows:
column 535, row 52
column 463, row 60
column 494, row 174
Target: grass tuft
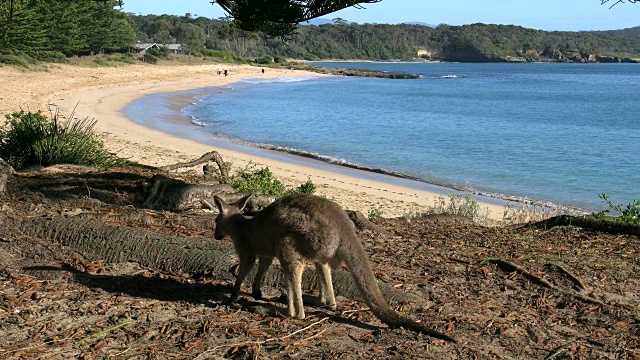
column 529, row 212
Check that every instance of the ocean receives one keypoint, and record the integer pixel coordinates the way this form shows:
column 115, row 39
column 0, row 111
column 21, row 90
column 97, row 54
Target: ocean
column 558, row 133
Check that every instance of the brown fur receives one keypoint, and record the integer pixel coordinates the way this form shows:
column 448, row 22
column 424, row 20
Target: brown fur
column 300, row 229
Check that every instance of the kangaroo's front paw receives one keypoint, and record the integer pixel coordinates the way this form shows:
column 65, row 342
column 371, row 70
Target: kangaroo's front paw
column 232, row 297
column 257, row 294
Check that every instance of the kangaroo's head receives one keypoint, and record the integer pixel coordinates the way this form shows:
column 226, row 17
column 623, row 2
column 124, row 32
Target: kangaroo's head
column 225, row 226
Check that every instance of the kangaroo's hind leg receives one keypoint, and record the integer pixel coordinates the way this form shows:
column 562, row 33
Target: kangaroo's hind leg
column 263, row 266
column 327, row 296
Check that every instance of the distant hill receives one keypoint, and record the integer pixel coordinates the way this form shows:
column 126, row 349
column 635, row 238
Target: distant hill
column 318, row 21
column 628, row 31
column 421, row 24
column 350, row 41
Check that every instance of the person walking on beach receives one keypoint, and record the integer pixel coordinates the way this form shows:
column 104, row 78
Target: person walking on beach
column 225, row 73
column 263, row 71
column 219, row 71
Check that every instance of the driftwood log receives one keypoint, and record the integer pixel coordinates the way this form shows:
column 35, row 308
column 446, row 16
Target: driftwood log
column 362, row 222
column 177, row 195
column 6, row 171
column 208, row 157
column 125, row 244
column 606, row 226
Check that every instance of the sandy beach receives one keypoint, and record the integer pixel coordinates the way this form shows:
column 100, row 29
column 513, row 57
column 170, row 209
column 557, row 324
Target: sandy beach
column 102, row 93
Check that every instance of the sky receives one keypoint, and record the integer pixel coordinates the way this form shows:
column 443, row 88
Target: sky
column 539, row 14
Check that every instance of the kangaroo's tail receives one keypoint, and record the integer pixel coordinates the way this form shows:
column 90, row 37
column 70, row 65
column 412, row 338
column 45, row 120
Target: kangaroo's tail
column 353, row 254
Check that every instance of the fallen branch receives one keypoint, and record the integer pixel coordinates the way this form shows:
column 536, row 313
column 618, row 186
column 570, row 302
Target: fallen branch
column 362, row 222
column 606, row 226
column 176, row 195
column 569, row 274
column 210, row 156
column 103, row 332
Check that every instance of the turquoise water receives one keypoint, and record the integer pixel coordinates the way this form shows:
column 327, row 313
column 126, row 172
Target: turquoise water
column 553, row 132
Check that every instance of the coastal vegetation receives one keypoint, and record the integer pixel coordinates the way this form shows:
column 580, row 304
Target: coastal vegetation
column 475, row 42
column 262, row 181
column 55, row 30
column 457, row 204
column 29, row 138
column 629, row 213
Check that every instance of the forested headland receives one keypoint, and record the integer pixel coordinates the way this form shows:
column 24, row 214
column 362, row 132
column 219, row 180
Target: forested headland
column 55, row 29
column 468, row 43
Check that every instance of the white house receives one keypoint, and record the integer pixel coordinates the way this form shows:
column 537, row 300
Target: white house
column 143, row 47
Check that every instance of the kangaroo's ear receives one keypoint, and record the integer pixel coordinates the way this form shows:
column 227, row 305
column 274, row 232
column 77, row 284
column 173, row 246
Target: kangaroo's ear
column 221, row 205
column 240, row 204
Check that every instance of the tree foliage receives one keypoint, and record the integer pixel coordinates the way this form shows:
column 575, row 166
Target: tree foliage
column 280, row 18
column 190, row 36
column 70, row 27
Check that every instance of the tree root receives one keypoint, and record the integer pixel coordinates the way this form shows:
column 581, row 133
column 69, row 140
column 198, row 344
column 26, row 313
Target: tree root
column 576, row 280
column 362, row 222
column 511, row 267
column 606, row 226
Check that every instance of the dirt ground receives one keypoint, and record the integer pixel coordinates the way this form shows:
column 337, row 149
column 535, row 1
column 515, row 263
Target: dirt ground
column 578, row 296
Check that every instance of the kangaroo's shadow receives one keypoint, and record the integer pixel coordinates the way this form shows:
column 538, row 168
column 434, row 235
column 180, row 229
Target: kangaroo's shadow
column 212, row 295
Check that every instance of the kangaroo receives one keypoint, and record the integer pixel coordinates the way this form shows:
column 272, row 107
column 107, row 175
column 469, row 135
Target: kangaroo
column 300, row 229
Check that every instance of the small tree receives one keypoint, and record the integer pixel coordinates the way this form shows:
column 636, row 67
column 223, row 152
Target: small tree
column 191, row 37
column 339, row 21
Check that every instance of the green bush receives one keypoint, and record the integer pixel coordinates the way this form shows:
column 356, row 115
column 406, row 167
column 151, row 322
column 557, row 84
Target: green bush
column 307, row 188
column 375, row 213
column 14, row 60
column 30, row 138
column 260, row 180
column 265, row 60
column 161, row 53
column 149, row 58
column 629, row 214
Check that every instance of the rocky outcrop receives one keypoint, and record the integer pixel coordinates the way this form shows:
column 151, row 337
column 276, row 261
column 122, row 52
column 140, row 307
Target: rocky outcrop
column 362, row 73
